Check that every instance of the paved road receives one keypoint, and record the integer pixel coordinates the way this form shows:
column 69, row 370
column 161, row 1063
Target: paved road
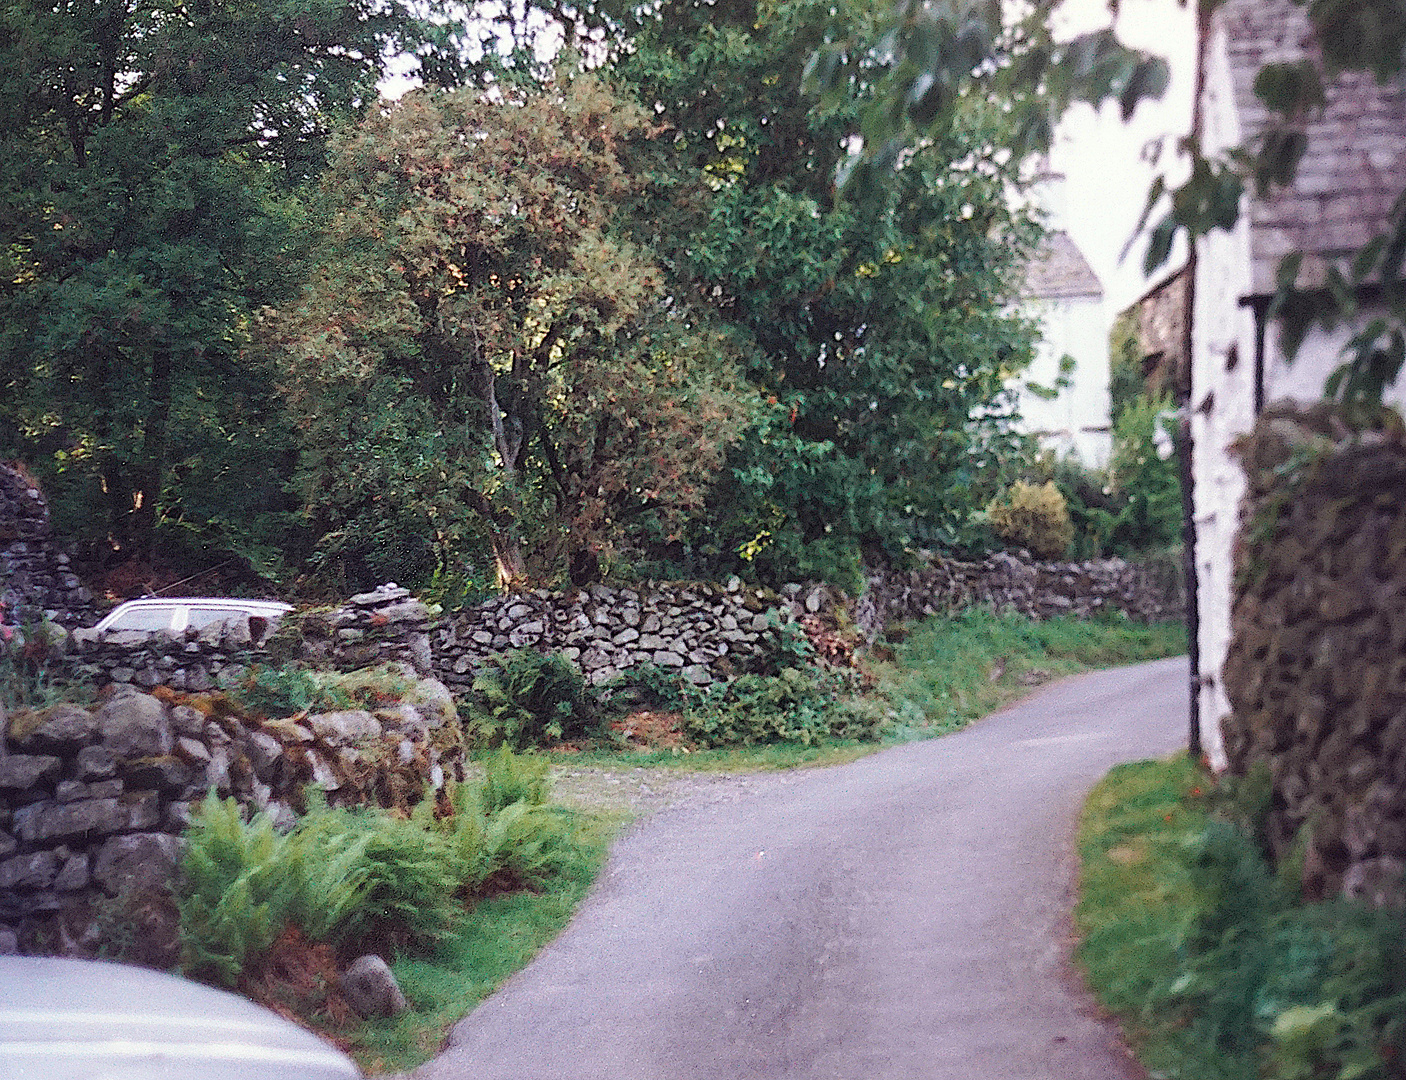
column 905, row 916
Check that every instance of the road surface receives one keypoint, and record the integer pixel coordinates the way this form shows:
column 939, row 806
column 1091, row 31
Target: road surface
column 903, row 916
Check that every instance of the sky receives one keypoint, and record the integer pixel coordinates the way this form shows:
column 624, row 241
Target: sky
column 1106, row 177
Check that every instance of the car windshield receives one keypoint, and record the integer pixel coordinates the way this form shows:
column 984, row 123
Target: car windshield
column 143, row 618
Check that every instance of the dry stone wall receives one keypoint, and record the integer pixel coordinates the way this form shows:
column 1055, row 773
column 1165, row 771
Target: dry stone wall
column 1040, row 590
column 93, row 801
column 36, row 579
column 1316, row 671
column 703, row 631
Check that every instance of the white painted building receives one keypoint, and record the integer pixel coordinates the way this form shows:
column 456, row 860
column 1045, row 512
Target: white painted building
column 1354, row 168
column 1065, row 296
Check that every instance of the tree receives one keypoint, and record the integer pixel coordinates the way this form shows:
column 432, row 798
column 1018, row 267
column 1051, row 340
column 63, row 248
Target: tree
column 148, row 152
column 878, row 330
column 483, row 351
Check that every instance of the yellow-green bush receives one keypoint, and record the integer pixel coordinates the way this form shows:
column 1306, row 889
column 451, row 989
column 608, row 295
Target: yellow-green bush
column 1034, row 517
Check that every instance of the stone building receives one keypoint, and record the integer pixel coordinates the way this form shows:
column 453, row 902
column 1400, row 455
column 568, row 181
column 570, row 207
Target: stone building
column 1348, row 179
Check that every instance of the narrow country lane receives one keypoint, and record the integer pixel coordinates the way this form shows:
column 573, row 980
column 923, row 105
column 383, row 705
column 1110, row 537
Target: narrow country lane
column 904, row 916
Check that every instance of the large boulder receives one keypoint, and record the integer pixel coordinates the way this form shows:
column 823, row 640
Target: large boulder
column 136, row 725
column 370, row 988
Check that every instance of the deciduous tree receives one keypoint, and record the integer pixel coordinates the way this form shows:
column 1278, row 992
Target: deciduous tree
column 147, row 149
column 484, row 348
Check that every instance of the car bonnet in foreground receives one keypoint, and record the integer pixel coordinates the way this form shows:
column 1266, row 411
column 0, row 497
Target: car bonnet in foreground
column 85, row 1020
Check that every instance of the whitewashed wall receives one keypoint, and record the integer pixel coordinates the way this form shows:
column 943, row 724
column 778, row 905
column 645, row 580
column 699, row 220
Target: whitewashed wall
column 1223, row 400
column 1077, row 421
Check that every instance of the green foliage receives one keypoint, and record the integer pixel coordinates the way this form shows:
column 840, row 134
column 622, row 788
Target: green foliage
column 361, row 877
column 510, row 778
column 873, row 333
column 1132, row 509
column 484, row 348
column 797, row 705
column 1034, row 518
column 286, row 690
column 1216, row 964
column 940, row 677
column 525, row 698
column 1126, row 380
column 230, row 878
column 406, row 881
column 492, row 941
column 1147, row 483
column 150, row 157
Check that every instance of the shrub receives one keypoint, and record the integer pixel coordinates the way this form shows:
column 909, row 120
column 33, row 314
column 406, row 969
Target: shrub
column 356, row 877
column 404, row 876
column 1147, row 484
column 232, row 901
column 503, row 825
column 1034, row 517
column 793, row 706
column 525, row 698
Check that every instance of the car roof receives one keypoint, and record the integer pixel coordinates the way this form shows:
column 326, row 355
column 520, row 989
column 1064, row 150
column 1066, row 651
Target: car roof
column 205, row 601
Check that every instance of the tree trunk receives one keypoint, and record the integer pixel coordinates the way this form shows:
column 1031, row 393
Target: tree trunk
column 155, row 441
column 508, row 561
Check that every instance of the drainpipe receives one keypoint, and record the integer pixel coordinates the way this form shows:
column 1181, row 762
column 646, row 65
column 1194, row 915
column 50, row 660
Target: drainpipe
column 1188, row 476
column 1259, row 307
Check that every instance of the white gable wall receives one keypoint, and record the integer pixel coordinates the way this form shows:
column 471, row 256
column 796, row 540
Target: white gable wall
column 1222, row 403
column 1077, row 421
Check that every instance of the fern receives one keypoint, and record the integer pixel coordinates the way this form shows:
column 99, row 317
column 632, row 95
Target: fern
column 510, row 778
column 524, row 698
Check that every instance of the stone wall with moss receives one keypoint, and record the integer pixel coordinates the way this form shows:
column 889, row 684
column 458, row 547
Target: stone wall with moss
column 1316, row 672
column 93, row 800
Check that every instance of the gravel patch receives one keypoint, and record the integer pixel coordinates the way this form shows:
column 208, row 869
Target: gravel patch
column 641, row 791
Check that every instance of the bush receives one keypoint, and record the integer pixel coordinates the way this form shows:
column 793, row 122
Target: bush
column 525, row 698
column 1034, row 517
column 797, row 705
column 509, row 778
column 1133, row 507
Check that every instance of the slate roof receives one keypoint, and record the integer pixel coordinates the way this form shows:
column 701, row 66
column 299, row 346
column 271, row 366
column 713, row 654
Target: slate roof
column 1355, row 164
column 1059, row 271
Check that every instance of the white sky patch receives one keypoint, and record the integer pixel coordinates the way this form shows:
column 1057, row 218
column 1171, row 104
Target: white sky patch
column 1106, row 173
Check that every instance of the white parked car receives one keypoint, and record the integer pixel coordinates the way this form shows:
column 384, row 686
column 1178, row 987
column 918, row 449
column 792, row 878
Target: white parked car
column 179, row 613
column 86, row 1020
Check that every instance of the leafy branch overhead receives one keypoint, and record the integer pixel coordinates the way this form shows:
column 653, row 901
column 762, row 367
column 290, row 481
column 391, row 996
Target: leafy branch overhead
column 928, row 57
column 932, row 54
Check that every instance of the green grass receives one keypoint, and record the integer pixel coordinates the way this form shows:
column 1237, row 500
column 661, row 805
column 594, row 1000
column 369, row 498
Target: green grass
column 1136, row 899
column 1209, row 957
column 496, row 938
column 941, row 677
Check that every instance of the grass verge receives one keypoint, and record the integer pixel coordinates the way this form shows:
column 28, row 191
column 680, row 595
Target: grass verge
column 497, row 937
column 946, row 673
column 1208, row 956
